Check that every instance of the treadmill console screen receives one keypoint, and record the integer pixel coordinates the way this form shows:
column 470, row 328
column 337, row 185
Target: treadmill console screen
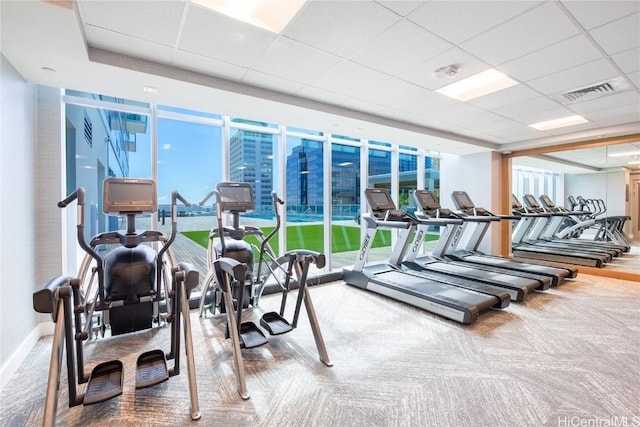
column 515, row 203
column 379, row 199
column 129, row 195
column 427, row 200
column 236, row 197
column 462, row 200
column 547, row 201
column 531, row 201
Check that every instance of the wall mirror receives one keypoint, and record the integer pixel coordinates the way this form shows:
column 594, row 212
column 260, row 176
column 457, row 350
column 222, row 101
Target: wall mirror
column 606, row 169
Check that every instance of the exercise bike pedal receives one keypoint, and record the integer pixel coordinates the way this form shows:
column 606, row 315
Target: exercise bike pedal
column 275, row 324
column 105, row 382
column 151, row 369
column 251, row 336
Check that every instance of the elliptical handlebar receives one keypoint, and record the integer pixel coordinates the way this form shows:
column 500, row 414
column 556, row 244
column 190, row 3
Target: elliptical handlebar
column 206, row 197
column 175, row 196
column 78, row 194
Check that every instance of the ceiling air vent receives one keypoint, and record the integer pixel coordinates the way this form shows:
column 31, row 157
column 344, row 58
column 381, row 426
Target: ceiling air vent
column 598, row 90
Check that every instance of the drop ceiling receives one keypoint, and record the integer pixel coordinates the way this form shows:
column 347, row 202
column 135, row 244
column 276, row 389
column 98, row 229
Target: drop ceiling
column 362, row 68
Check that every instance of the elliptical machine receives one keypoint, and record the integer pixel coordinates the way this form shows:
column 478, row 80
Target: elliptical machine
column 122, row 292
column 234, row 283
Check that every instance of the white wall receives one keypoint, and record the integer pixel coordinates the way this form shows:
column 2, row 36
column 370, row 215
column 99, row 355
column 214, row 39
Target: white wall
column 610, row 186
column 479, row 175
column 17, row 218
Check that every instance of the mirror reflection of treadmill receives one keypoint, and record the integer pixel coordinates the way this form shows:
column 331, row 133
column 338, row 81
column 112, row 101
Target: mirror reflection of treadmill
column 447, row 300
column 557, row 250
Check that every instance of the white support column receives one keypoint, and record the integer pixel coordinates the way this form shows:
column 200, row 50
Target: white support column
column 327, row 199
column 280, row 152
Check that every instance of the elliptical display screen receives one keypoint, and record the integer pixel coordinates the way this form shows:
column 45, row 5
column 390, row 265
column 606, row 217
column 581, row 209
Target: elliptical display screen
column 129, row 195
column 236, row 197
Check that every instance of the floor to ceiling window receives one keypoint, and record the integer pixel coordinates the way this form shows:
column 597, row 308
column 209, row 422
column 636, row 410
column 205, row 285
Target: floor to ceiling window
column 105, row 137
column 345, row 200
column 304, row 190
column 191, row 151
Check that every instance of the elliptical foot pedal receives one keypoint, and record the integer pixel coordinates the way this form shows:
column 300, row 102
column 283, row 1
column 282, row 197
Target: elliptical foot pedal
column 105, row 382
column 251, row 336
column 275, row 324
column 151, row 369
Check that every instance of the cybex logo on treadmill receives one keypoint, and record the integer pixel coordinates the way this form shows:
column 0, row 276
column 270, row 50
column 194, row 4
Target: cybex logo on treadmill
column 418, row 241
column 363, row 248
column 456, row 237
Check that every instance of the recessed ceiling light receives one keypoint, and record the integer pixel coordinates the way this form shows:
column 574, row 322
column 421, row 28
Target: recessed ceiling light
column 261, row 13
column 480, row 84
column 625, row 154
column 559, row 123
column 149, row 89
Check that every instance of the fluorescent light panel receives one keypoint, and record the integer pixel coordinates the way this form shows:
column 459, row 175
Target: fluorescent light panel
column 267, row 14
column 559, row 123
column 481, row 84
column 634, row 162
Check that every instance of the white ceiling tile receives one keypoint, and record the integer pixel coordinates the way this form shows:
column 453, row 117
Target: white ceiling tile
column 399, row 94
column 400, row 47
column 571, row 129
column 161, row 18
column 575, row 78
column 208, row 66
column 522, row 133
column 533, row 30
column 544, row 115
column 474, row 120
column 619, row 35
column 211, row 34
column 339, row 27
column 401, row 7
column 630, row 112
column 457, row 21
column 497, row 125
column 422, row 73
column 606, row 103
column 127, row 45
column 293, row 60
column 267, row 81
column 457, row 113
column 560, row 56
column 618, row 119
column 635, row 78
column 351, row 79
column 592, row 14
column 628, row 61
column 531, row 106
column 512, row 95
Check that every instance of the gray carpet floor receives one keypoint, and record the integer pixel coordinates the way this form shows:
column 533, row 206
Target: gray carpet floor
column 567, row 356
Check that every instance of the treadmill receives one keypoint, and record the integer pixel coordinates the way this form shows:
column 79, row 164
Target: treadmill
column 524, row 246
column 518, row 284
column 386, row 278
column 469, row 253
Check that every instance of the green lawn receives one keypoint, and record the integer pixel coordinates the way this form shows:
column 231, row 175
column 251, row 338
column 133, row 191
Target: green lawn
column 310, row 237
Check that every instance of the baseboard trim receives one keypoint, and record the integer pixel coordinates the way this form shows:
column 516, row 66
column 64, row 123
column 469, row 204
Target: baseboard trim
column 15, row 360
